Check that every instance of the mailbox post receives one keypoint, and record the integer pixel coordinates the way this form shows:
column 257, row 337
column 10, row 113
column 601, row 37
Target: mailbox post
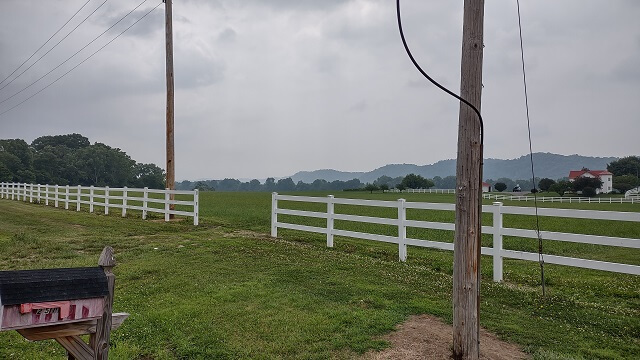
column 63, row 304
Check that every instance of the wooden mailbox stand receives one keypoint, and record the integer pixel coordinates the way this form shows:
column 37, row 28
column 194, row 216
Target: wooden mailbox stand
column 63, row 304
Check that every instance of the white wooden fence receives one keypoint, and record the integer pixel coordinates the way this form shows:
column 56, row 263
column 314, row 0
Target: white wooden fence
column 569, row 199
column 425, row 191
column 123, row 198
column 497, row 229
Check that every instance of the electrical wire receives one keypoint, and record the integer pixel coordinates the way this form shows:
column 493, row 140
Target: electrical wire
column 45, row 43
column 72, row 56
column 533, row 174
column 415, row 63
column 82, row 62
column 54, row 46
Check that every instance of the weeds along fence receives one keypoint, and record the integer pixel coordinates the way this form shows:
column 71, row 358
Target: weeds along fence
column 496, row 229
column 145, row 200
column 571, row 200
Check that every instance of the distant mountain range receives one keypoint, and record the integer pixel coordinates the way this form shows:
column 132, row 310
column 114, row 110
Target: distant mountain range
column 553, row 166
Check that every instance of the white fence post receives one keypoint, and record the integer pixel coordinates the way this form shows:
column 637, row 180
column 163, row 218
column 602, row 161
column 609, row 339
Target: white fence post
column 78, row 198
column 167, row 198
column 31, row 193
column 497, row 241
column 402, row 230
column 106, row 200
column 46, row 194
column 66, row 197
column 330, row 212
column 274, row 214
column 145, row 194
column 56, row 195
column 124, row 201
column 91, row 199
column 196, row 206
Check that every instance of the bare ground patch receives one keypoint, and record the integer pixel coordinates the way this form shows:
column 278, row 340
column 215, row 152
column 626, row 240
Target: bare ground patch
column 427, row 337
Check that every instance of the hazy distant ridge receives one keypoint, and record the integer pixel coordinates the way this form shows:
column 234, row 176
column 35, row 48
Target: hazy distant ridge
column 548, row 165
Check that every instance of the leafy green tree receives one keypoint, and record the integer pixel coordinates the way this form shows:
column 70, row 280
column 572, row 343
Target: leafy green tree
column 588, row 191
column 500, row 186
column 17, row 157
column 561, row 187
column 70, row 141
column 270, row 184
column 629, row 165
column 413, row 181
column 582, row 182
column 148, row 175
column 285, row 185
column 254, row 185
column 352, row 184
column 384, row 187
column 203, row 186
column 102, row 165
column 510, row 183
column 625, row 183
column 371, row 187
column 545, row 183
column 401, row 187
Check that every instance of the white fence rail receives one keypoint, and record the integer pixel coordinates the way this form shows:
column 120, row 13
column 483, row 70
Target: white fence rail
column 569, row 199
column 105, row 197
column 497, row 229
column 424, row 191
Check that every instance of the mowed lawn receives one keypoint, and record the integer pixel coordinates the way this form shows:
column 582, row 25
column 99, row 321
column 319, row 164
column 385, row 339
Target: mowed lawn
column 225, row 290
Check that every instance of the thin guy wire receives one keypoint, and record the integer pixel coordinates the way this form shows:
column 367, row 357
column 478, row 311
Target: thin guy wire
column 415, row 63
column 46, row 42
column 72, row 56
column 533, row 174
column 54, row 46
column 82, row 62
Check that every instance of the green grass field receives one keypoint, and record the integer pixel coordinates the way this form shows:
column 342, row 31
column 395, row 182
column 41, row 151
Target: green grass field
column 225, row 290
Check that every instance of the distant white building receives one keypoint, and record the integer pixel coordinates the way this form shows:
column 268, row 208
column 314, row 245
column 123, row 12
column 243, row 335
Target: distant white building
column 486, row 187
column 605, row 176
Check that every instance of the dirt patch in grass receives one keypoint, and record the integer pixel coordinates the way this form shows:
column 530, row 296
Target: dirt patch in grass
column 427, row 337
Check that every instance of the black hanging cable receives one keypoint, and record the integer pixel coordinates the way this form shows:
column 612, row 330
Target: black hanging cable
column 45, row 43
column 533, row 174
column 54, row 46
column 415, row 63
column 72, row 56
column 82, row 62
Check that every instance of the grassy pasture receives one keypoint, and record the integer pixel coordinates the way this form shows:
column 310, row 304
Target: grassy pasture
column 225, row 290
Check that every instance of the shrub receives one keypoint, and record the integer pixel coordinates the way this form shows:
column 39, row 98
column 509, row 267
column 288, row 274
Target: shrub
column 589, row 191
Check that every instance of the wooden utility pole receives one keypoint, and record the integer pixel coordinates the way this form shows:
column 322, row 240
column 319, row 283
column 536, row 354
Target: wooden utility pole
column 171, row 166
column 466, row 263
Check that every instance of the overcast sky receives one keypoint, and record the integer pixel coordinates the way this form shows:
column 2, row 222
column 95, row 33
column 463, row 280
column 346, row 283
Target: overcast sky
column 271, row 87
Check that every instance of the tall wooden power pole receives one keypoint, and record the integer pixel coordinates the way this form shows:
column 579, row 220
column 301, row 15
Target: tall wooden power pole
column 171, row 166
column 466, row 268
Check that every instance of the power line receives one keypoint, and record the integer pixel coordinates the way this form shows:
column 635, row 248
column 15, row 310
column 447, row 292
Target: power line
column 415, row 63
column 54, row 46
column 72, row 56
column 82, row 62
column 533, row 174
column 46, row 42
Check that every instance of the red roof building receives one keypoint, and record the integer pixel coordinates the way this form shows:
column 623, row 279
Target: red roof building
column 573, row 174
column 604, row 175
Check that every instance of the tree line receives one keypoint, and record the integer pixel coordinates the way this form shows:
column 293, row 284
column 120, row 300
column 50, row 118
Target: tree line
column 72, row 160
column 625, row 172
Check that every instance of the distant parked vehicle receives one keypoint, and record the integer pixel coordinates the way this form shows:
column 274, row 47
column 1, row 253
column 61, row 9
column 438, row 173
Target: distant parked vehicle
column 517, row 188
